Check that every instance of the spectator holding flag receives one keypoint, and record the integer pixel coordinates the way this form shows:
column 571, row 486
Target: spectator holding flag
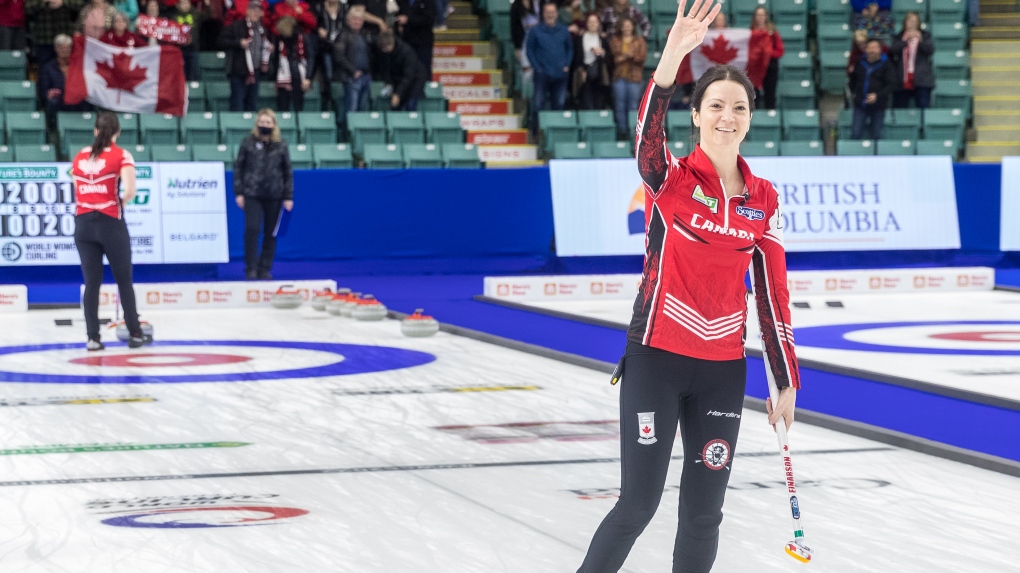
column 52, row 79
column 120, row 36
column 96, row 18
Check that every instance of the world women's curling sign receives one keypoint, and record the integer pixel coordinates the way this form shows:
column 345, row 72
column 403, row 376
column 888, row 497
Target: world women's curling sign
column 177, row 216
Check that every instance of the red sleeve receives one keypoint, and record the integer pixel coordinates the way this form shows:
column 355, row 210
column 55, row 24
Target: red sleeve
column 772, row 297
column 684, row 75
column 655, row 162
column 778, row 50
column 307, row 18
column 126, row 158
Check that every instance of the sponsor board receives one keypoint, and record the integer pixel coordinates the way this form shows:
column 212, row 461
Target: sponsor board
column 177, row 216
column 452, row 50
column 482, row 107
column 458, row 63
column 500, row 153
column 193, row 511
column 478, row 78
column 828, row 204
column 522, row 432
column 507, row 137
column 94, row 448
column 473, row 92
column 151, row 296
column 565, row 287
column 13, row 298
column 73, row 401
column 1009, row 224
column 829, row 483
column 490, row 122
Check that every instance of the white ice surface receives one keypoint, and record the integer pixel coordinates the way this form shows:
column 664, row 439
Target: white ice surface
column 878, row 510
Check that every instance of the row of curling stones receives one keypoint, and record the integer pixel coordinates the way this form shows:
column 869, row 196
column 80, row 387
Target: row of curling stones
column 122, row 331
column 354, row 305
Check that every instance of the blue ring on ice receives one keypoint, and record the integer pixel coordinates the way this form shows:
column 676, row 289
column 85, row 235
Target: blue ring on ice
column 834, row 336
column 355, row 359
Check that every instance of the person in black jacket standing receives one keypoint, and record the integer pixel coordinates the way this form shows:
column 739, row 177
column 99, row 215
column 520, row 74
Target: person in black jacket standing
column 248, row 49
column 912, row 50
column 263, row 185
column 402, row 70
column 415, row 21
column 871, row 82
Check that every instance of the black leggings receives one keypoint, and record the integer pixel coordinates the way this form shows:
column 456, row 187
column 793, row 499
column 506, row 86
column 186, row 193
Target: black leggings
column 659, row 389
column 260, row 215
column 96, row 234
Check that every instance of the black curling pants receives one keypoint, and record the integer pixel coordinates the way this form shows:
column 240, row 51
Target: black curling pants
column 260, row 215
column 658, row 390
column 96, row 234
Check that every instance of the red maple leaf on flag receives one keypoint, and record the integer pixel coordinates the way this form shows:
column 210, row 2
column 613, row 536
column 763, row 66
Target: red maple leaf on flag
column 720, row 52
column 121, row 76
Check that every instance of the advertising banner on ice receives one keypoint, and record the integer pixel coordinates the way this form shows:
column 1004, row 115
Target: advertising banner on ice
column 178, row 215
column 829, row 204
column 1009, row 233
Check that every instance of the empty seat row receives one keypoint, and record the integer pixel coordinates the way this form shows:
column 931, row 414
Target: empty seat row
column 214, row 96
column 897, row 147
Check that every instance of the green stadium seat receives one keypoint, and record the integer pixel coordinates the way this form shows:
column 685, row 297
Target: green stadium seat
column 383, row 156
column 651, row 62
column 801, row 148
column 596, row 125
column 337, row 95
column 217, row 152
column 949, row 36
column 461, row 155
column 376, row 101
column 567, row 150
column 235, row 126
column 901, row 8
column 680, row 147
column 6, row 154
column 332, row 156
column 833, row 11
column 140, row 153
column 952, row 94
column 945, row 124
column 834, row 37
column 287, row 121
column 196, row 97
column 267, row 95
column 855, row 147
column 211, row 65
column 366, row 127
column 951, row 65
column 301, row 156
column 662, row 9
column 759, row 149
column 433, row 100
column 316, row 127
column 902, row 124
column 790, row 12
column 832, row 66
column 443, row 127
column 801, row 125
column 766, row 125
column 171, row 153
column 201, row 128
column 896, row 147
column 128, row 129
column 946, row 11
column 159, row 129
column 612, row 149
column 678, row 123
column 13, row 65
column 35, row 153
column 556, row 127
column 25, row 128
column 17, row 95
column 934, row 147
column 796, row 95
column 657, row 35
column 741, row 12
column 313, row 98
column 423, row 155
column 75, row 130
column 845, row 122
column 405, row 127
column 794, row 37
column 217, row 95
column 796, row 66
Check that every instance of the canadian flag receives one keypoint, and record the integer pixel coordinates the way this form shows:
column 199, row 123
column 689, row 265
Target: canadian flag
column 137, row 80
column 727, row 46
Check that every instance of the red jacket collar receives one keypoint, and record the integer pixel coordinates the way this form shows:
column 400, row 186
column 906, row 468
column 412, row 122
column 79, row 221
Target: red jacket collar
column 706, row 171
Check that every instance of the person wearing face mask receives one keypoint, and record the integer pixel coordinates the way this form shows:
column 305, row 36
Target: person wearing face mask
column 263, row 187
column 708, row 220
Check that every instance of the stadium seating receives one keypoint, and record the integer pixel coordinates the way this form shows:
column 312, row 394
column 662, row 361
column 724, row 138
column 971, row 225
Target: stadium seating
column 946, row 11
column 6, row 154
column 790, row 12
column 332, row 156
column 17, row 95
column 463, row 155
column 235, row 126
column 832, row 68
column 35, row 153
column 200, row 128
column 423, row 155
column 896, row 147
column 171, row 153
column 301, row 156
column 196, row 97
column 766, row 125
column 796, row 95
column 834, row 37
column 801, row 125
column 833, row 11
column 216, row 152
column 128, row 129
column 316, row 127
column 796, row 66
column 934, row 147
column 159, row 129
column 288, row 124
column 951, row 65
column 76, row 130
column 949, row 36
column 944, row 124
column 901, row 8
column 211, row 65
column 801, row 148
column 902, row 124
column 140, row 153
column 25, row 128
column 217, row 95
column 855, row 147
column 678, row 122
column 794, row 37
column 557, row 126
column 405, row 127
column 383, row 156
column 434, row 99
column 366, row 127
column 568, row 150
column 13, row 65
column 952, row 94
column 759, row 148
column 612, row 149
column 597, row 125
column 443, row 127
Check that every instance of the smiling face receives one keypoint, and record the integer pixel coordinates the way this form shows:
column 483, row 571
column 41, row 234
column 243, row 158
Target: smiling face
column 593, row 25
column 761, row 17
column 725, row 115
column 550, row 14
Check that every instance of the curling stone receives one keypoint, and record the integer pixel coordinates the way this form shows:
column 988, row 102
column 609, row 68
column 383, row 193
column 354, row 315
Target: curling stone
column 122, row 331
column 418, row 325
column 352, row 301
column 320, row 300
column 368, row 309
column 336, row 303
column 286, row 299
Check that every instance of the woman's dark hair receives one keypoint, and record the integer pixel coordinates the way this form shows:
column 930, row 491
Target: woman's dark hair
column 717, row 74
column 619, row 27
column 107, row 126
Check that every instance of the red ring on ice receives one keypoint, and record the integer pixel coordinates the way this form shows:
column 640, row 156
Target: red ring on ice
column 160, row 360
column 981, row 336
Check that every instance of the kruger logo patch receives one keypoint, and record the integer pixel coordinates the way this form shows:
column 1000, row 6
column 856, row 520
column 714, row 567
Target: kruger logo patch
column 752, row 214
column 646, row 428
column 711, row 202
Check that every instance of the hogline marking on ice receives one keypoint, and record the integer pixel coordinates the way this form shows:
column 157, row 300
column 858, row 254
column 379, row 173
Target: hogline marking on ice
column 372, row 469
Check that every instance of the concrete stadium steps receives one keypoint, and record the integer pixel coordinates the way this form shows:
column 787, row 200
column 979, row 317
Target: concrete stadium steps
column 996, row 6
column 999, row 20
column 459, row 21
column 454, row 35
column 995, row 75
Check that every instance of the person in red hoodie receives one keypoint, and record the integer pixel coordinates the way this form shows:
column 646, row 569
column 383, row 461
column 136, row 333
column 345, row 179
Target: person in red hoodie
column 297, row 9
column 120, row 36
column 764, row 51
column 12, row 25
